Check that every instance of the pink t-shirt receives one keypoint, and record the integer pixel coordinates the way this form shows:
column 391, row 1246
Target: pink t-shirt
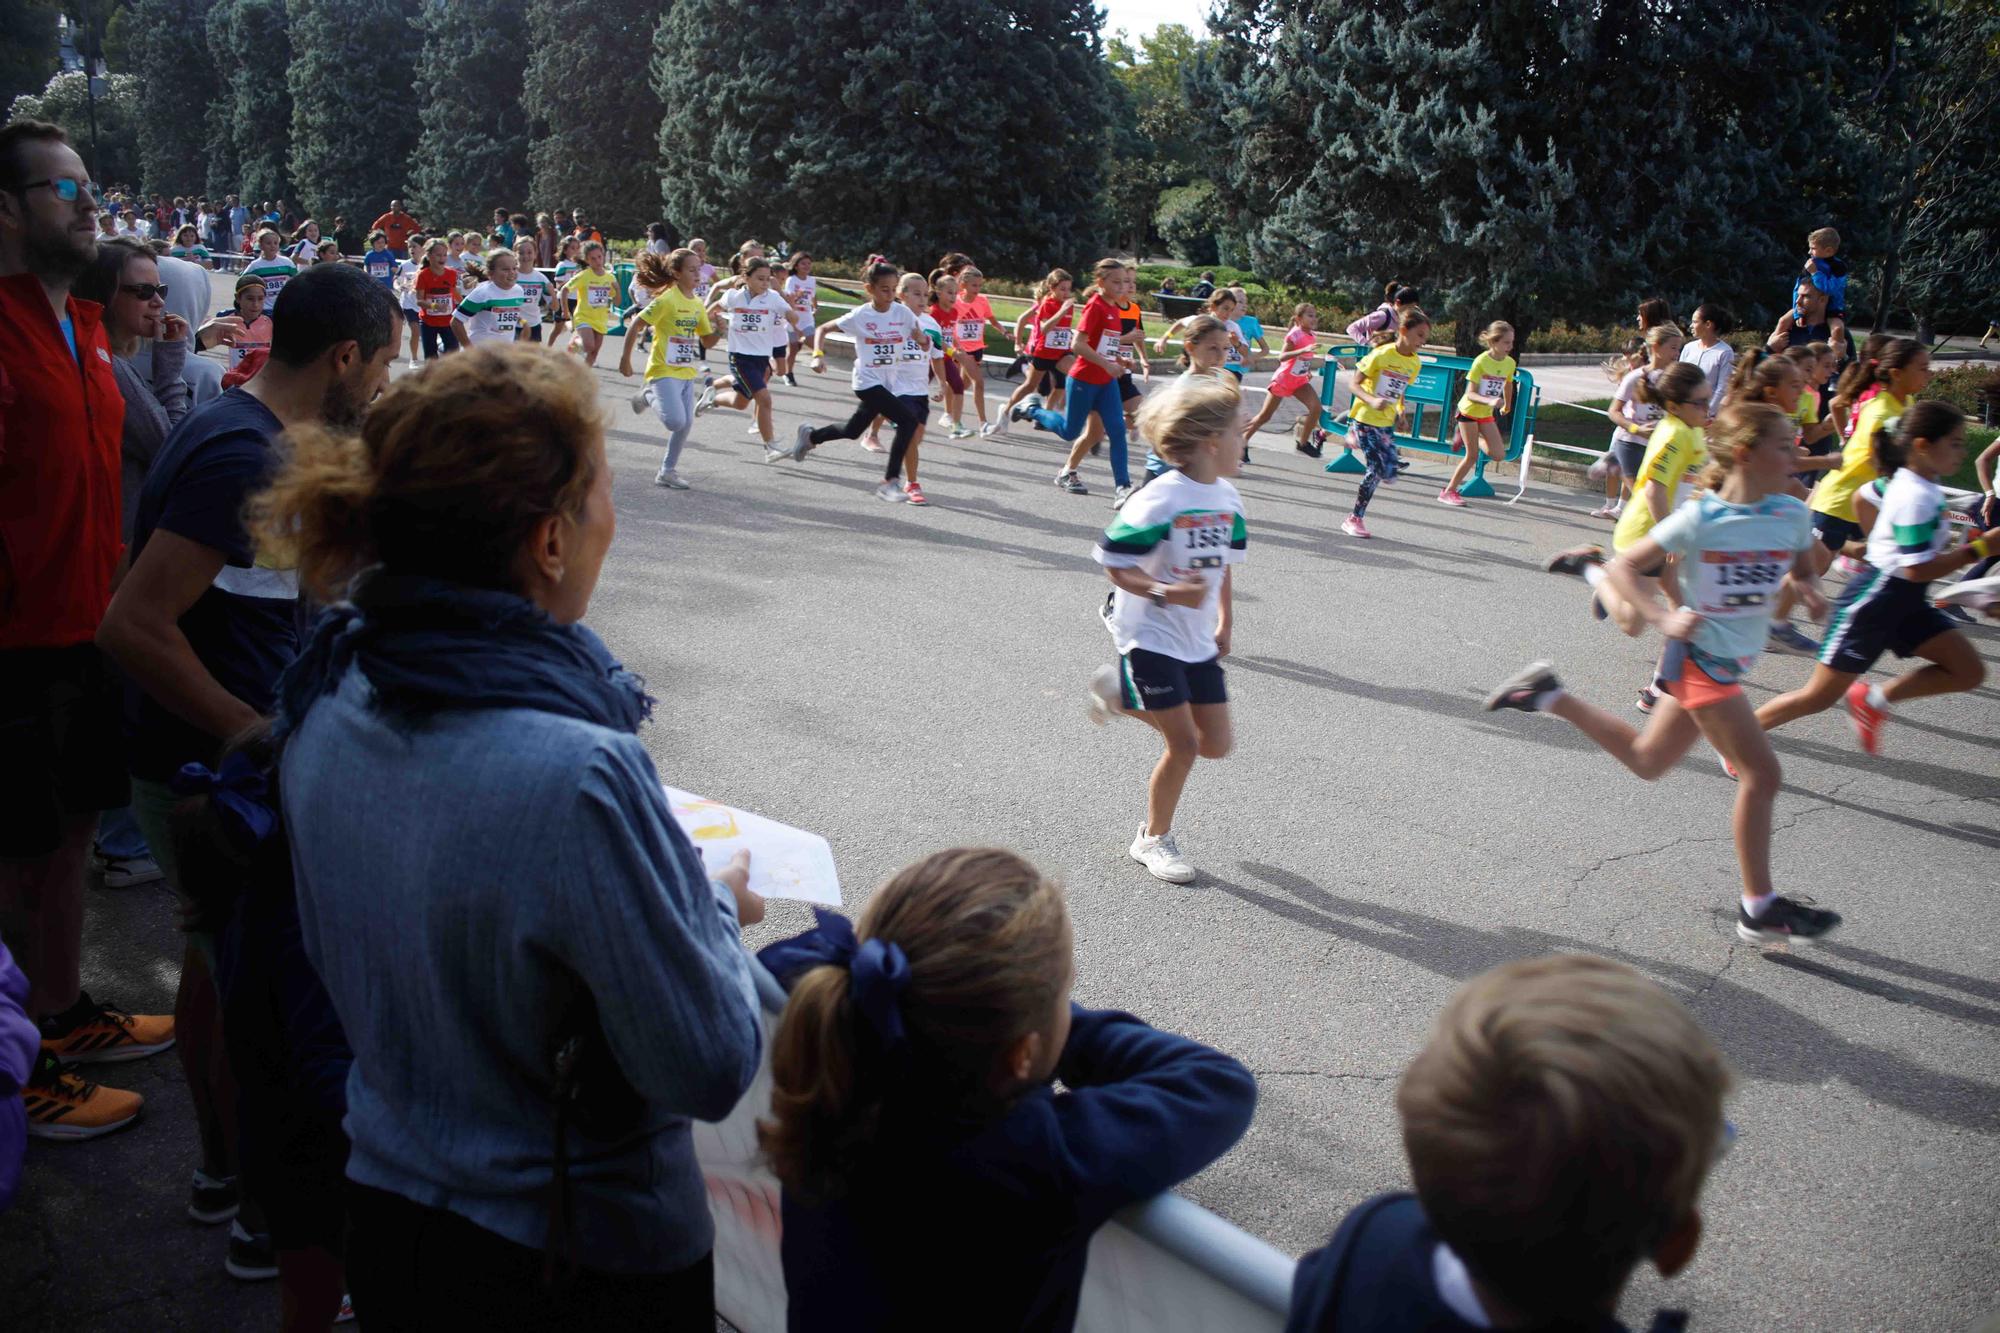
column 970, row 318
column 1294, row 371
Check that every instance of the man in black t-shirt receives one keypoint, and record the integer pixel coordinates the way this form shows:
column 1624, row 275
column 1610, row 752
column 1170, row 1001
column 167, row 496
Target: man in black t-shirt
column 203, row 626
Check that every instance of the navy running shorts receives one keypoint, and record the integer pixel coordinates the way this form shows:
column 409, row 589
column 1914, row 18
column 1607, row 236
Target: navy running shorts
column 1152, row 682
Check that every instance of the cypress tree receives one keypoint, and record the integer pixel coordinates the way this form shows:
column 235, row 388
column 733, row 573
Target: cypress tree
column 597, row 152
column 167, row 44
column 982, row 127
column 252, row 49
column 472, row 152
column 1516, row 159
column 353, row 119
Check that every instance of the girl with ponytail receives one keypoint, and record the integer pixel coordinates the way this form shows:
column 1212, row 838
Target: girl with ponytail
column 925, row 1157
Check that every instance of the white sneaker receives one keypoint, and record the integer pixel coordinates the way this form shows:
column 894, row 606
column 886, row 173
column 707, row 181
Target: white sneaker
column 1106, row 700
column 754, row 430
column 416, row 364
column 706, row 400
column 642, row 401
column 1161, row 857
column 670, row 479
column 802, row 444
column 988, row 427
column 889, row 491
column 945, row 421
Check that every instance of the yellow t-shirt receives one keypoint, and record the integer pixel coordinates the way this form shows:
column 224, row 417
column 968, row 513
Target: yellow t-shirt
column 1675, row 450
column 596, row 296
column 1834, row 495
column 1808, row 411
column 1386, row 373
column 678, row 323
column 1488, row 376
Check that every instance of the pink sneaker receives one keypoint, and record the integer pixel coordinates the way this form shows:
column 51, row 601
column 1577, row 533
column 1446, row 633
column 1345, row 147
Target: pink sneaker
column 871, row 444
column 1868, row 719
column 1448, row 496
column 1354, row 527
column 914, row 494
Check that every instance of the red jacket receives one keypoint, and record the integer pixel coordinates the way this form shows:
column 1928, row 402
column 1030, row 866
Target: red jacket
column 62, row 420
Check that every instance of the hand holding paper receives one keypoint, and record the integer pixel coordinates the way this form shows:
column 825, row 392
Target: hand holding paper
column 785, row 862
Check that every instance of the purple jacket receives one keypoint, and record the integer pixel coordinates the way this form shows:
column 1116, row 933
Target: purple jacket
column 20, row 1044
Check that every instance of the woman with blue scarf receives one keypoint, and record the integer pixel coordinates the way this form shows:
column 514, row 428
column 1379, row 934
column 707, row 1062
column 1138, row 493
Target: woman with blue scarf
column 540, row 982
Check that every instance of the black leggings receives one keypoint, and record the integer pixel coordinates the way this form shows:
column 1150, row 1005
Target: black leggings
column 434, row 334
column 877, row 401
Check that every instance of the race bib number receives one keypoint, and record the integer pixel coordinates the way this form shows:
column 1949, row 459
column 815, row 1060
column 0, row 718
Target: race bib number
column 507, row 319
column 1491, row 386
column 681, row 351
column 802, row 302
column 1389, row 386
column 598, row 297
column 882, row 351
column 1109, row 346
column 1059, row 340
column 273, row 284
column 438, row 303
column 749, row 321
column 915, row 348
column 968, row 330
column 1201, row 542
column 1738, row 583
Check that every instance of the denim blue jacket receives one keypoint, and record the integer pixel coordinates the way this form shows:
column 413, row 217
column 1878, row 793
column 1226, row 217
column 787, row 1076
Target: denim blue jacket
column 458, row 881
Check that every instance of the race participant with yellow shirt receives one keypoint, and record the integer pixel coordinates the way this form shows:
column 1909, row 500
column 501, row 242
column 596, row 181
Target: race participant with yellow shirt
column 1678, row 447
column 1380, row 381
column 1489, row 395
column 1889, row 385
column 681, row 329
column 594, row 288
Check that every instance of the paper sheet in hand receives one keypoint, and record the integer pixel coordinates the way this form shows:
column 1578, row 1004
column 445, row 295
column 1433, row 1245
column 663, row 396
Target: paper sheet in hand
column 785, row 862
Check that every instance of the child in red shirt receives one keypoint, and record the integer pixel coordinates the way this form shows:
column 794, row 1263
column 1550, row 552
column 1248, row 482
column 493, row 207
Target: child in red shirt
column 436, row 287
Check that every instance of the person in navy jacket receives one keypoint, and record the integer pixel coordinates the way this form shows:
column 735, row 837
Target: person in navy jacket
column 932, row 1176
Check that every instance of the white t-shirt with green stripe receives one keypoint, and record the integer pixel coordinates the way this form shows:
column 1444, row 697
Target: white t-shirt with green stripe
column 274, row 273
column 1178, row 530
column 1910, row 527
column 492, row 313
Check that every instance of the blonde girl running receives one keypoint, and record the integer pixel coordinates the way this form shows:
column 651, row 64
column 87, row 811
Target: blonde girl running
column 1489, row 393
column 594, row 288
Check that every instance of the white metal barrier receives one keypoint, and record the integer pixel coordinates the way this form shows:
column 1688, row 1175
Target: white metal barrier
column 1162, row 1266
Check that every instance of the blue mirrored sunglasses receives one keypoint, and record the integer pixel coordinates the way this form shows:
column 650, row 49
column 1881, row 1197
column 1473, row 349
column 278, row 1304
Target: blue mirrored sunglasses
column 66, row 188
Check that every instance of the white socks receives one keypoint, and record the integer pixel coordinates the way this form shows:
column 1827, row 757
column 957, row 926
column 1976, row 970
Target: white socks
column 1593, row 574
column 1754, row 908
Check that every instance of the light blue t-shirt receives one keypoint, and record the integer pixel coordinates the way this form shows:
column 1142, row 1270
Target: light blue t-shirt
column 1733, row 559
column 1252, row 327
column 69, row 335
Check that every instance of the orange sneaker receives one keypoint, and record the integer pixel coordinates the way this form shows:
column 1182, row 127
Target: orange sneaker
column 93, row 1033
column 63, row 1104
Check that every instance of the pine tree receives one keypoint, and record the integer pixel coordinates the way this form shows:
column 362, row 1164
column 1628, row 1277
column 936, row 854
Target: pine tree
column 889, row 146
column 167, row 43
column 596, row 152
column 353, row 62
column 1516, row 159
column 252, row 49
column 472, row 153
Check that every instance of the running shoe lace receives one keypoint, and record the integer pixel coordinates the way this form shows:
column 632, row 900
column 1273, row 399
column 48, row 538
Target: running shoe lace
column 1169, row 846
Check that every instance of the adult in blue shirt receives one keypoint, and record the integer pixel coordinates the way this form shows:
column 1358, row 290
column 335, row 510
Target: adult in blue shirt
column 239, row 227
column 541, row 983
column 202, row 627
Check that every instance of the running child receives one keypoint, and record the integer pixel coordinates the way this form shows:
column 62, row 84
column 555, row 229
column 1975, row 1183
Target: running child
column 1048, row 344
column 1204, row 347
column 1909, row 544
column 378, row 263
column 879, row 327
column 1606, row 469
column 1885, row 387
column 926, row 1158
column 1489, row 394
column 802, row 293
column 1168, row 555
column 1292, row 380
column 534, row 288
column 1093, row 378
column 1222, row 307
column 1739, row 542
column 256, row 335
column 1679, row 447
column 1763, row 377
column 910, row 377
column 1637, row 417
column 1380, row 380
column 1249, row 328
column 406, row 290
column 275, row 269
column 436, row 288
column 681, row 328
column 491, row 312
column 1131, row 333
column 594, row 288
column 569, row 263
column 974, row 317
column 755, row 315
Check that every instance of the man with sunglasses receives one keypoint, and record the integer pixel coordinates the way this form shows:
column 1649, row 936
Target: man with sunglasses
column 61, row 418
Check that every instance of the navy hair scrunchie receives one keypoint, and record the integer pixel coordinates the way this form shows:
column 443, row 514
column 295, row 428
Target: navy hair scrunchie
column 240, row 793
column 879, row 972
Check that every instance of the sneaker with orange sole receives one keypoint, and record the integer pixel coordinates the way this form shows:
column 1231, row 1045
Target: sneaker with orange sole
column 63, row 1104
column 1868, row 719
column 93, row 1033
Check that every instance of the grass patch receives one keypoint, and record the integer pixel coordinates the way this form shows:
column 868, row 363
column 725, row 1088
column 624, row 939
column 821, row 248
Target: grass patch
column 1568, row 423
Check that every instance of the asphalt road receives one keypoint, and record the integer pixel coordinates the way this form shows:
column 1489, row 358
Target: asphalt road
column 907, row 679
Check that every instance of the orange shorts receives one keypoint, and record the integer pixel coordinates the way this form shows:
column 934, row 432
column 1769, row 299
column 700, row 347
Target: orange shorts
column 1691, row 687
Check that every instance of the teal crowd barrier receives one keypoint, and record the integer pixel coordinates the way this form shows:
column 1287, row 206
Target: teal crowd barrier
column 1432, row 401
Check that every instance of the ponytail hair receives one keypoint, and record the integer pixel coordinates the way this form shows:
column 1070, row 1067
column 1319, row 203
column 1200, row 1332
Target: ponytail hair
column 1495, row 331
column 1679, row 383
column 1759, row 371
column 1740, row 425
column 1413, row 318
column 877, row 270
column 1653, row 312
column 987, row 947
column 1056, row 275
column 1873, row 367
column 1103, row 268
column 1927, row 420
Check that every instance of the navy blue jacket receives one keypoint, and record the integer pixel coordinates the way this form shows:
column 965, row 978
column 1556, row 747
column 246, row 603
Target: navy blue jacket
column 974, row 1225
column 1376, row 1274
